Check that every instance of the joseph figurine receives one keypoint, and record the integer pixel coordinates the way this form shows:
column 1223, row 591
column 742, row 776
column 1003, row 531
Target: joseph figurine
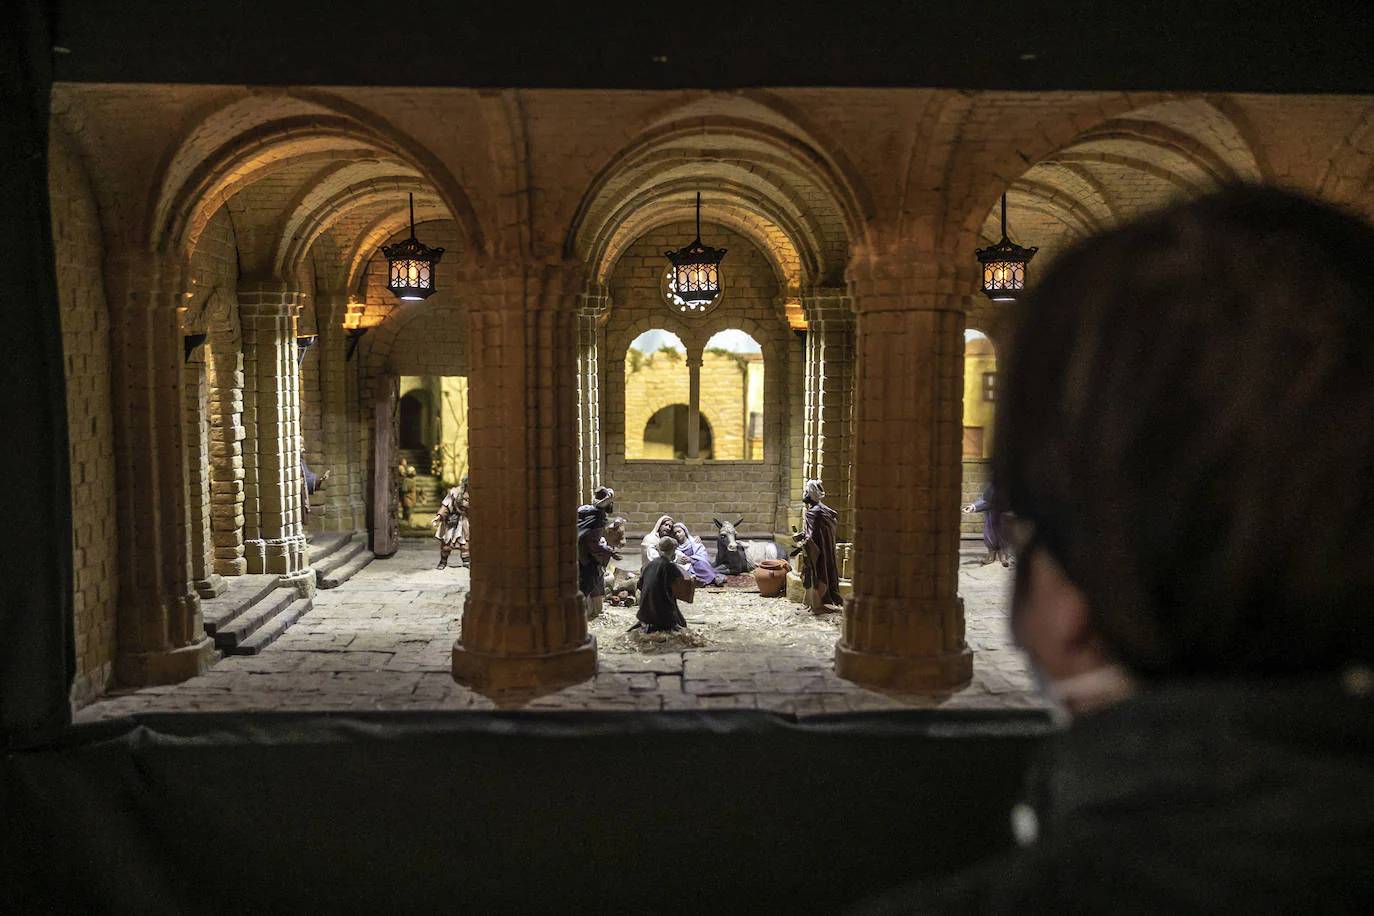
column 820, row 568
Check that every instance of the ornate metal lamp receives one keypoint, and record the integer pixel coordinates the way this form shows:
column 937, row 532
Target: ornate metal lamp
column 696, row 273
column 1004, row 265
column 411, row 265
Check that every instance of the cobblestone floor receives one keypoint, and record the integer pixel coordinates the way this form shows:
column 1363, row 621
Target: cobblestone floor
column 383, row 640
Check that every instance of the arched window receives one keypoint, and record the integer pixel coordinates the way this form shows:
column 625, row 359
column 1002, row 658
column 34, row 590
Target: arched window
column 656, row 376
column 732, row 394
column 665, row 435
column 980, row 390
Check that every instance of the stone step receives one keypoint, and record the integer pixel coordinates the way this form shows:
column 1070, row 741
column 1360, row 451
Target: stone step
column 328, row 570
column 234, row 633
column 242, row 592
column 324, row 543
column 267, row 633
column 341, row 574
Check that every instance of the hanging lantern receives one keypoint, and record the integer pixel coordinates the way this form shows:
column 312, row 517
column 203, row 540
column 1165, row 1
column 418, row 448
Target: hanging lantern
column 1004, row 265
column 411, row 265
column 696, row 268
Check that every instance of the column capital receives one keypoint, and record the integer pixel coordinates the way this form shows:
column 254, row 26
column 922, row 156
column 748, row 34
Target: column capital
column 268, row 296
column 908, row 280
column 550, row 286
column 594, row 302
column 827, row 304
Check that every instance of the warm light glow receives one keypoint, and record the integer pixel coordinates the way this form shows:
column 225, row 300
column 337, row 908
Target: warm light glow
column 411, row 266
column 1004, row 265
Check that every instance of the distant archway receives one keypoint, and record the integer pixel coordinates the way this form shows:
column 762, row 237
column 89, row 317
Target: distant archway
column 413, row 421
column 665, row 433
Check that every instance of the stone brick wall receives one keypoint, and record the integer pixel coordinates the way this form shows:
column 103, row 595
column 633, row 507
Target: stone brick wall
column 76, row 233
column 662, row 381
column 696, row 493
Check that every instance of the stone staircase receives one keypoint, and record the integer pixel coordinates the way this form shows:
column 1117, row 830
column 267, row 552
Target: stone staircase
column 337, row 555
column 252, row 612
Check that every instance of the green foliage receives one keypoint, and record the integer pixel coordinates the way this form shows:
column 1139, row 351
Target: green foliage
column 671, row 352
column 737, row 358
column 634, row 360
column 451, row 472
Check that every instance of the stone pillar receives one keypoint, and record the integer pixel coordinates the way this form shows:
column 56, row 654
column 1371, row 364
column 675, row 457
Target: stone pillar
column 384, row 522
column 357, row 415
column 208, row 583
column 275, row 541
column 592, row 310
column 226, row 434
column 160, row 636
column 829, row 446
column 524, row 623
column 337, row 412
column 904, row 625
column 694, row 406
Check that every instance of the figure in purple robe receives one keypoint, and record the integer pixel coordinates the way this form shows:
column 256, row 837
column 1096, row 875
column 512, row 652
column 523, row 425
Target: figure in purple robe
column 694, row 551
column 992, row 529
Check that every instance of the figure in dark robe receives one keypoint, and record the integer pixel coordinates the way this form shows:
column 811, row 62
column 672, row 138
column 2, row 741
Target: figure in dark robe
column 820, row 567
column 593, row 553
column 658, row 610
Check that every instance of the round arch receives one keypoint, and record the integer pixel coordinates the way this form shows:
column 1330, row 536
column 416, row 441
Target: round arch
column 196, row 180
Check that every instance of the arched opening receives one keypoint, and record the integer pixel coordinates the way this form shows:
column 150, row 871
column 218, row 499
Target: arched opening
column 732, row 391
column 980, row 392
column 413, row 422
column 656, row 373
column 665, row 434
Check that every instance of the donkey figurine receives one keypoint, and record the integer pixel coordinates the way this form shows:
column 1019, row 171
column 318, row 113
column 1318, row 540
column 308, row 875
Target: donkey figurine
column 731, row 556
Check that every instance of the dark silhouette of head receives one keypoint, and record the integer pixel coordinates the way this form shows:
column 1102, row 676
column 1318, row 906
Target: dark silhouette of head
column 1188, row 427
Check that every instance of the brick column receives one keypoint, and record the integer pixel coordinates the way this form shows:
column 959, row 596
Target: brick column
column 208, row 583
column 338, row 413
column 694, row 406
column 524, row 625
column 226, row 435
column 275, row 541
column 829, row 424
column 160, row 637
column 904, row 626
column 592, row 309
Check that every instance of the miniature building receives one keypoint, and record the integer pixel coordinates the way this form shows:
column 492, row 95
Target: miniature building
column 253, row 215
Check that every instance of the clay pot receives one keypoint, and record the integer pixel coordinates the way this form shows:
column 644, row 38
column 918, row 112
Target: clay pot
column 771, row 575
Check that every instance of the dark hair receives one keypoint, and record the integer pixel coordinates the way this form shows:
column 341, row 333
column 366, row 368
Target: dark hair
column 1188, row 420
